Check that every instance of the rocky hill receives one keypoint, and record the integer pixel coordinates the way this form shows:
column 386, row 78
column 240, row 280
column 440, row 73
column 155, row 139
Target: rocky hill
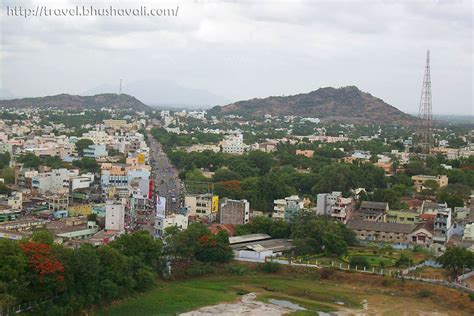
column 67, row 101
column 347, row 104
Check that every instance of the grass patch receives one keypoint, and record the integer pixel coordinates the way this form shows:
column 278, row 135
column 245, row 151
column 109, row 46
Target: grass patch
column 170, row 298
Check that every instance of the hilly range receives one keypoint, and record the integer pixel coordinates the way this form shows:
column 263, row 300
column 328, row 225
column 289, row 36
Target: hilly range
column 67, row 101
column 347, row 104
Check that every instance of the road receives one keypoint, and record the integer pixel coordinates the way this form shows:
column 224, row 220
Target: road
column 165, row 176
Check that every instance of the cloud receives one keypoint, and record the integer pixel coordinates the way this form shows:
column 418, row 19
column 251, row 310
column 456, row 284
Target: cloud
column 245, row 49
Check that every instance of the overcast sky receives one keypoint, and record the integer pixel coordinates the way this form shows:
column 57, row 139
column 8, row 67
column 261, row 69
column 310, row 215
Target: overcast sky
column 245, row 49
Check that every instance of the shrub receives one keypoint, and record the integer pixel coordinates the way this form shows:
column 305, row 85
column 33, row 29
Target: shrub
column 471, row 296
column 403, row 261
column 359, row 262
column 270, row 267
column 199, row 268
column 326, row 273
column 238, row 269
column 387, row 282
column 424, row 293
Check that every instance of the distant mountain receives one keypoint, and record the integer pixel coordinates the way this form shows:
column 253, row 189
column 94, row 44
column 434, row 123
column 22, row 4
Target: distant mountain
column 162, row 92
column 347, row 104
column 67, row 101
column 6, row 94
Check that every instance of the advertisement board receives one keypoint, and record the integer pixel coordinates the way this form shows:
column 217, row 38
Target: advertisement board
column 160, row 207
column 215, row 204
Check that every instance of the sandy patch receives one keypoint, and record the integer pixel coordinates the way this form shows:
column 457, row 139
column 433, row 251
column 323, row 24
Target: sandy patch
column 246, row 306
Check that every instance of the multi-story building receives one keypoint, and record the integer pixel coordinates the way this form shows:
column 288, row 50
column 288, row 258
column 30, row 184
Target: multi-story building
column 141, row 211
column 177, row 220
column 83, row 181
column 117, row 179
column 442, row 225
column 342, row 209
column 202, row 205
column 95, row 151
column 419, row 181
column 325, row 201
column 114, row 215
column 236, row 212
column 287, row 208
column 380, row 231
column 57, row 181
column 234, row 144
column 403, row 217
column 468, row 233
column 372, row 211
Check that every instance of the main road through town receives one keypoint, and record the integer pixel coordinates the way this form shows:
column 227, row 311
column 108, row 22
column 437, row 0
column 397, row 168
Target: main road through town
column 165, row 176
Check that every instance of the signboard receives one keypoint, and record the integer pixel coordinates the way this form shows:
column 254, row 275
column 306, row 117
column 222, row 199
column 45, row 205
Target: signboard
column 141, row 158
column 160, row 207
column 215, row 204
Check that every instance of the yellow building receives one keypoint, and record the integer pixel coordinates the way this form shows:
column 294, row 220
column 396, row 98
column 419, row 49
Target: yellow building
column 419, row 181
column 80, row 209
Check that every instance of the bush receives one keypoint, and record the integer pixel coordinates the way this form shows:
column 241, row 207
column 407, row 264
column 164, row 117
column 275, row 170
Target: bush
column 326, row 273
column 199, row 268
column 359, row 262
column 424, row 293
column 471, row 296
column 238, row 269
column 403, row 261
column 270, row 267
column 387, row 282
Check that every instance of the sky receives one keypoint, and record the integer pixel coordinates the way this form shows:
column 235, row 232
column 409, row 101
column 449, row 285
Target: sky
column 245, row 49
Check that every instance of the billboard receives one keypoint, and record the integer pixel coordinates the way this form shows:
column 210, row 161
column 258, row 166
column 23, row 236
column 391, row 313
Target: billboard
column 160, row 207
column 215, row 204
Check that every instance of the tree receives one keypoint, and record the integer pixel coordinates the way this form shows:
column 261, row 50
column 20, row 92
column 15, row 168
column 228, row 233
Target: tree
column 403, row 261
column 261, row 160
column 4, row 160
column 141, row 245
column 456, row 259
column 359, row 262
column 43, row 236
column 83, row 144
column 30, row 160
column 225, row 175
column 87, row 164
column 13, row 281
column 214, row 248
column 46, row 272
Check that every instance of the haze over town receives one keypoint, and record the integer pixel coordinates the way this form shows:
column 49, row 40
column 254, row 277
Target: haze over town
column 241, row 50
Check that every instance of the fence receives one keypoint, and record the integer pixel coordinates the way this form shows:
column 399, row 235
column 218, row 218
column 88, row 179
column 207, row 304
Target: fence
column 17, row 309
column 397, row 274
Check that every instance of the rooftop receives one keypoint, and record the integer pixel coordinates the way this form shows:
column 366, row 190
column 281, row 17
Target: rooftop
column 380, row 226
column 248, row 238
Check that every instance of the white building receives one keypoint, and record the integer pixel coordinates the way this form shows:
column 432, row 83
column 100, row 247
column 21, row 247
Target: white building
column 325, row 202
column 442, row 225
column 177, row 220
column 15, row 200
column 56, row 181
column 95, row 151
column 114, row 216
column 81, row 182
column 288, row 207
column 234, row 144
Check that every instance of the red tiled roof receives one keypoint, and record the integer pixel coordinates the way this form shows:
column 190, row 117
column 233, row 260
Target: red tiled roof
column 427, row 217
column 229, row 228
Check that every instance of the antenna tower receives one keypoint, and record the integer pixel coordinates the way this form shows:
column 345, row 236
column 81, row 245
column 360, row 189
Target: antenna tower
column 424, row 131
